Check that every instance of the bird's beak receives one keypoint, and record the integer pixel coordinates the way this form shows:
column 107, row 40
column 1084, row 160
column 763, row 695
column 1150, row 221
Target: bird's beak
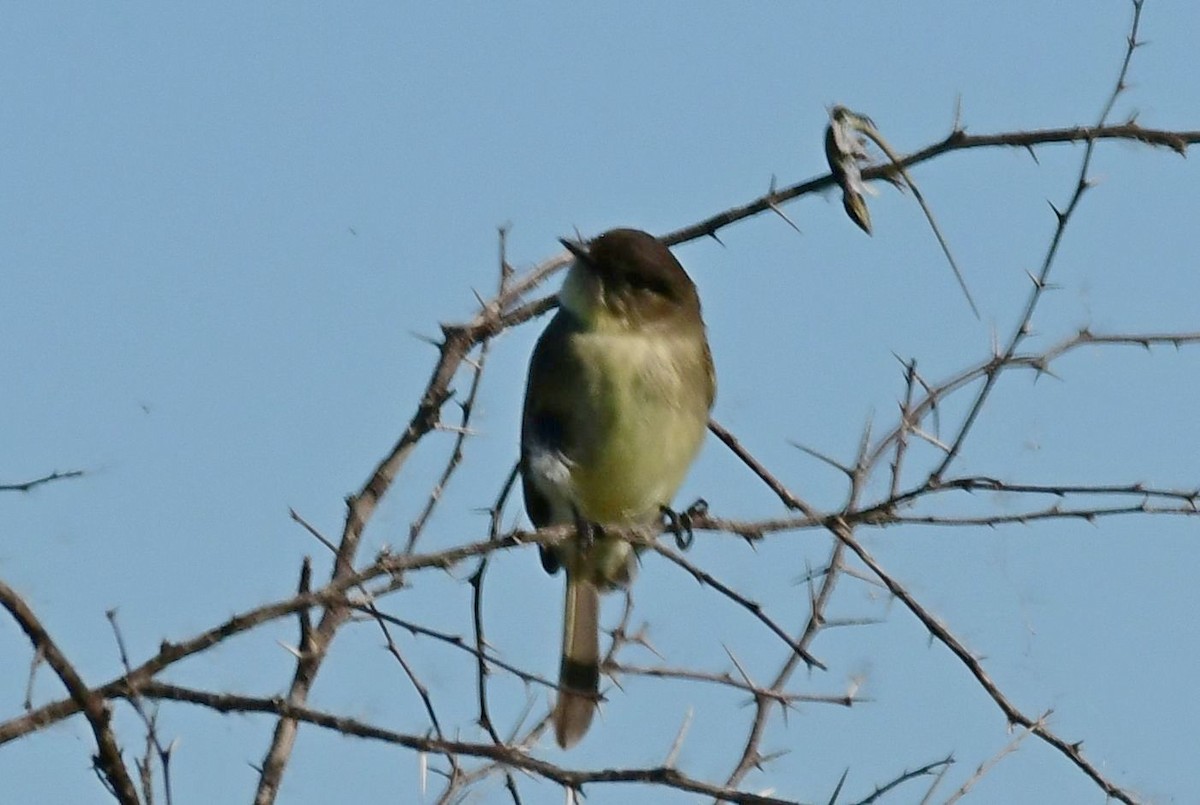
column 578, row 250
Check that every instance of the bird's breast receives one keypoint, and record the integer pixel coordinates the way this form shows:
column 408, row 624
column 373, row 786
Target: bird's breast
column 645, row 410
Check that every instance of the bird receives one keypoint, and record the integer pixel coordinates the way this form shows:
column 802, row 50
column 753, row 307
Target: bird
column 619, row 390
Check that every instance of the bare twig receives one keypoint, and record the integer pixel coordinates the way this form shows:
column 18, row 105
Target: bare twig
column 990, row 763
column 753, row 607
column 26, row 486
column 94, row 706
column 751, row 752
column 936, row 767
column 150, row 720
column 456, row 344
column 726, row 679
column 957, row 140
column 511, row 756
column 946, row 638
column 1040, row 282
column 790, row 500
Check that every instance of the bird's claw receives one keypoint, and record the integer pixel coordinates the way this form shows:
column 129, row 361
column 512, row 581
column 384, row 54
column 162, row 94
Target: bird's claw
column 680, row 523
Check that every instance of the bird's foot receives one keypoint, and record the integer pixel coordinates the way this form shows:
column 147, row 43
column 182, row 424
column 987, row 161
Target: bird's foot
column 587, row 531
column 680, row 523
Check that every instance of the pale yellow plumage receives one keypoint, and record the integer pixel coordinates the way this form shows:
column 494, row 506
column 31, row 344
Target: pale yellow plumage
column 620, row 385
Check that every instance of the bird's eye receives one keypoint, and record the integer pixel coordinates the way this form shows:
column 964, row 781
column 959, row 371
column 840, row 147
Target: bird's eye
column 652, row 285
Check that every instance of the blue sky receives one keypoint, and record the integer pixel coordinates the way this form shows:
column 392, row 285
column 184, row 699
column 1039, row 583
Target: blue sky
column 220, row 229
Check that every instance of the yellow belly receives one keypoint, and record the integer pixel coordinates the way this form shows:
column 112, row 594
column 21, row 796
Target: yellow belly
column 647, row 410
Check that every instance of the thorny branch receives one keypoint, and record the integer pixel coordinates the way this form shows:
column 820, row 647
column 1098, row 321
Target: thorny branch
column 1022, row 329
column 95, row 707
column 150, row 721
column 356, row 587
column 510, row 756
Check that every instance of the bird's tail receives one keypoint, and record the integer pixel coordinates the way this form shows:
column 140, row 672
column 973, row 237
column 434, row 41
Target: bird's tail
column 579, row 675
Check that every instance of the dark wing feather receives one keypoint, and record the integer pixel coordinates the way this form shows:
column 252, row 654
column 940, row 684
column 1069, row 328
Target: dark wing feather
column 549, row 414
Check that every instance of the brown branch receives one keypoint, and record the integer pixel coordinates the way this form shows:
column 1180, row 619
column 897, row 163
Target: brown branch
column 389, row 566
column 513, row 757
column 790, row 500
column 983, row 768
column 727, row 680
column 957, row 140
column 456, row 344
column 980, row 483
column 751, row 755
column 1022, row 329
column 332, row 595
column 150, row 721
column 906, row 423
column 481, row 669
column 467, row 407
column 753, row 607
column 1144, row 340
column 94, row 706
column 943, row 635
column 422, row 690
column 509, row 309
column 1052, row 513
column 936, row 767
column 461, row 644
column 1038, row 362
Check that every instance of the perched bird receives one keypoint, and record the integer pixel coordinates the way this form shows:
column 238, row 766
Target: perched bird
column 620, row 386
